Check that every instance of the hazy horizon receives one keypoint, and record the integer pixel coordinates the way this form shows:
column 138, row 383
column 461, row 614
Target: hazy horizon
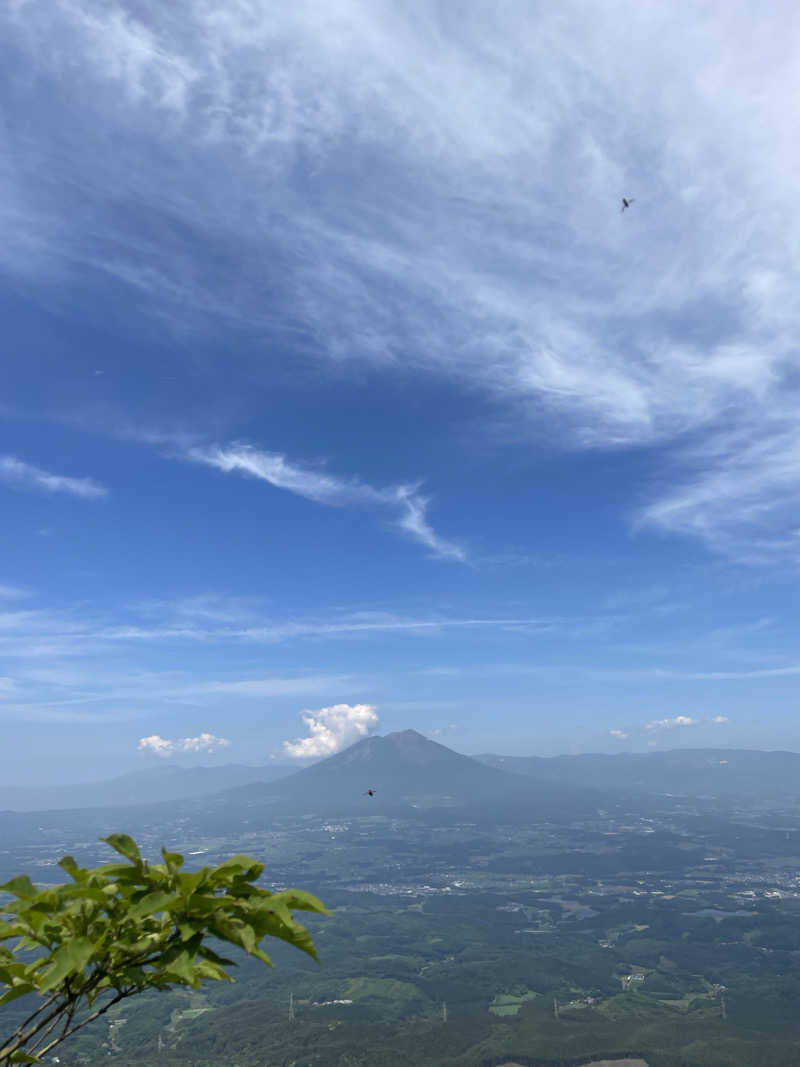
column 14, row 776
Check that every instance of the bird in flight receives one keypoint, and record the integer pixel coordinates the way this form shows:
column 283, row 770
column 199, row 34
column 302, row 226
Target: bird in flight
column 369, row 793
column 627, row 201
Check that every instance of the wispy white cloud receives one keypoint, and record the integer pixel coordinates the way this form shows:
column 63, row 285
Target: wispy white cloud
column 20, row 475
column 724, row 676
column 404, row 503
column 501, row 145
column 40, row 634
column 365, row 623
column 332, row 729
column 258, row 688
column 656, row 726
column 14, row 592
column 671, row 724
column 161, row 746
column 88, row 689
column 441, row 731
column 744, row 495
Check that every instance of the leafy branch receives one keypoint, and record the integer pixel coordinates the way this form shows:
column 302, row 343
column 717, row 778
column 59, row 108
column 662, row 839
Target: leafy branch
column 122, row 928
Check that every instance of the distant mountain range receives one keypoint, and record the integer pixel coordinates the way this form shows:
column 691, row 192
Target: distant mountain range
column 409, row 771
column 690, row 771
column 148, row 786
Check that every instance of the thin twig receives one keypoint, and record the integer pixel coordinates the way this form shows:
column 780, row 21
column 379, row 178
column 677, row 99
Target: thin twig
column 33, row 1015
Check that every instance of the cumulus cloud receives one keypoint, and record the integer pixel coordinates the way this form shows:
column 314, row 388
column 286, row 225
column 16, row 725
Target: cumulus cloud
column 720, row 720
column 20, row 475
column 670, row 724
column 332, row 729
column 620, row 735
column 405, row 505
column 161, row 746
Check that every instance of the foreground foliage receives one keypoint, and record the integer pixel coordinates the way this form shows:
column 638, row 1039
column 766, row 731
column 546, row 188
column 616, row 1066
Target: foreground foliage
column 122, row 928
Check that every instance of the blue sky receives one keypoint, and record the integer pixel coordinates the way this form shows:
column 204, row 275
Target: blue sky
column 338, row 394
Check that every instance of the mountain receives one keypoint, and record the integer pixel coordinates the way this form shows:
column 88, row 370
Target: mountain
column 149, row 786
column 407, row 771
column 410, row 774
column 691, row 771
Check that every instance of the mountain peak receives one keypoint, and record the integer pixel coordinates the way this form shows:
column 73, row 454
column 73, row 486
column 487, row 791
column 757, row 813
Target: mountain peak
column 405, row 737
column 414, row 747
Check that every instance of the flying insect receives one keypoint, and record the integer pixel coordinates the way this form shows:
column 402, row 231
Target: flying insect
column 626, row 202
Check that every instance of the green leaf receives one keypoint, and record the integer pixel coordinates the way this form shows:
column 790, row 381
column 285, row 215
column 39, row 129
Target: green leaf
column 120, row 872
column 72, row 868
column 125, row 845
column 21, row 887
column 72, row 957
column 15, row 991
column 23, row 1057
column 173, row 860
column 271, row 926
column 81, row 891
column 209, row 954
column 237, row 865
column 190, row 882
column 301, row 901
column 10, row 930
column 182, row 966
column 211, row 971
column 248, row 936
column 153, row 902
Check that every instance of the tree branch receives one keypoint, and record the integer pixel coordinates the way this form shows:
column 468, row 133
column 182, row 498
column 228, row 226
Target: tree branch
column 20, row 1038
column 84, row 1022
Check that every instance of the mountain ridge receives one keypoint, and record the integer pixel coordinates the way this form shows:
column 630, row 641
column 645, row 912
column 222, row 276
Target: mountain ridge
column 694, row 771
column 406, row 763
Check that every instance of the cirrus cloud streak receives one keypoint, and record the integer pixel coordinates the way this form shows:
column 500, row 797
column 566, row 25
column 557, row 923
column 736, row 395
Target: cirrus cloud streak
column 20, row 475
column 404, row 503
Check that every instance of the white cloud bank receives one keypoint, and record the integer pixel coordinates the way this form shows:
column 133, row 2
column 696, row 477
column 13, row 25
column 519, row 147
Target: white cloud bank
column 161, row 746
column 332, row 729
column 405, row 505
column 20, row 475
